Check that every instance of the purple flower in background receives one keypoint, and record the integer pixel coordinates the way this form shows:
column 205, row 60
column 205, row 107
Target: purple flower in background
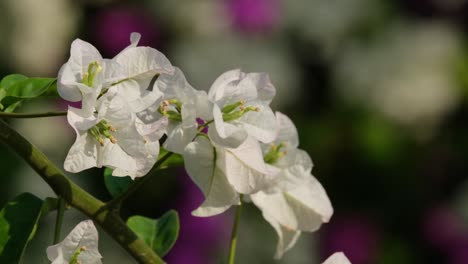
column 442, row 228
column 354, row 235
column 458, row 253
column 254, row 16
column 112, row 26
column 199, row 237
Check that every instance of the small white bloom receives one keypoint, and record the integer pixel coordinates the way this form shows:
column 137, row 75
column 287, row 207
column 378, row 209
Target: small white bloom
column 80, row 246
column 111, row 138
column 182, row 105
column 297, row 201
column 241, row 108
column 337, row 258
column 85, row 74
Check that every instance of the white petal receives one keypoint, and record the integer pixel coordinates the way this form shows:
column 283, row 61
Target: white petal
column 244, row 167
column 152, row 131
column 81, row 55
column 303, row 208
column 83, row 235
column 265, row 89
column 136, row 93
column 337, row 258
column 143, row 61
column 224, row 133
column 82, row 155
column 287, row 131
column 260, row 125
column 232, row 87
column 216, row 91
column 287, row 238
column 179, row 135
column 67, row 84
column 203, row 105
column 310, row 204
column 200, row 163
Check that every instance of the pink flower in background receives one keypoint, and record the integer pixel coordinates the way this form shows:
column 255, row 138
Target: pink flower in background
column 355, row 235
column 112, row 26
column 254, row 16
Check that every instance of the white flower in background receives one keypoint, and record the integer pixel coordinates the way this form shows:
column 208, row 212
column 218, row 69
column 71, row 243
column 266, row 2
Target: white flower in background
column 337, row 258
column 111, row 138
column 80, row 246
column 407, row 74
column 329, row 22
column 224, row 173
column 297, row 201
column 241, row 108
column 26, row 46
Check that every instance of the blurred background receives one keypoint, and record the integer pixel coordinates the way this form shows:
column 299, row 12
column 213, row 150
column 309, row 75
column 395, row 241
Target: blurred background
column 377, row 88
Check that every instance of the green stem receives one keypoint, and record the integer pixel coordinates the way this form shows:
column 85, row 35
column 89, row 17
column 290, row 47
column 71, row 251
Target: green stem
column 115, row 203
column 232, row 249
column 33, row 115
column 59, row 219
column 75, row 196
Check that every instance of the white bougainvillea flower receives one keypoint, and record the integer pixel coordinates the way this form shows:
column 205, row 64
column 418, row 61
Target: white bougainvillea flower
column 241, row 108
column 297, row 201
column 224, row 173
column 85, row 74
column 182, row 105
column 80, row 246
column 337, row 258
column 111, row 138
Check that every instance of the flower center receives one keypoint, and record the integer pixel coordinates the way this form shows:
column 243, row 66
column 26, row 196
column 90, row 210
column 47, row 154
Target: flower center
column 93, row 69
column 172, row 109
column 74, row 258
column 274, row 153
column 103, row 129
column 236, row 110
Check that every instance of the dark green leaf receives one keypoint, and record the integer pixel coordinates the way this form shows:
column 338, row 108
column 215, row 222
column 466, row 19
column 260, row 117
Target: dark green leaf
column 175, row 160
column 116, row 185
column 18, row 221
column 160, row 234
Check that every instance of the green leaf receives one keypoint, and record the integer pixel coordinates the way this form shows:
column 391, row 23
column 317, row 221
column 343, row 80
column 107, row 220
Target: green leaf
column 116, row 185
column 28, row 88
column 16, row 87
column 160, row 234
column 18, row 222
column 175, row 160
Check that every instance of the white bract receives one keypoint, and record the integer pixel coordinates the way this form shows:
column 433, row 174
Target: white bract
column 85, row 74
column 297, row 201
column 241, row 108
column 111, row 138
column 182, row 105
column 80, row 246
column 140, row 67
column 337, row 258
column 224, row 173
